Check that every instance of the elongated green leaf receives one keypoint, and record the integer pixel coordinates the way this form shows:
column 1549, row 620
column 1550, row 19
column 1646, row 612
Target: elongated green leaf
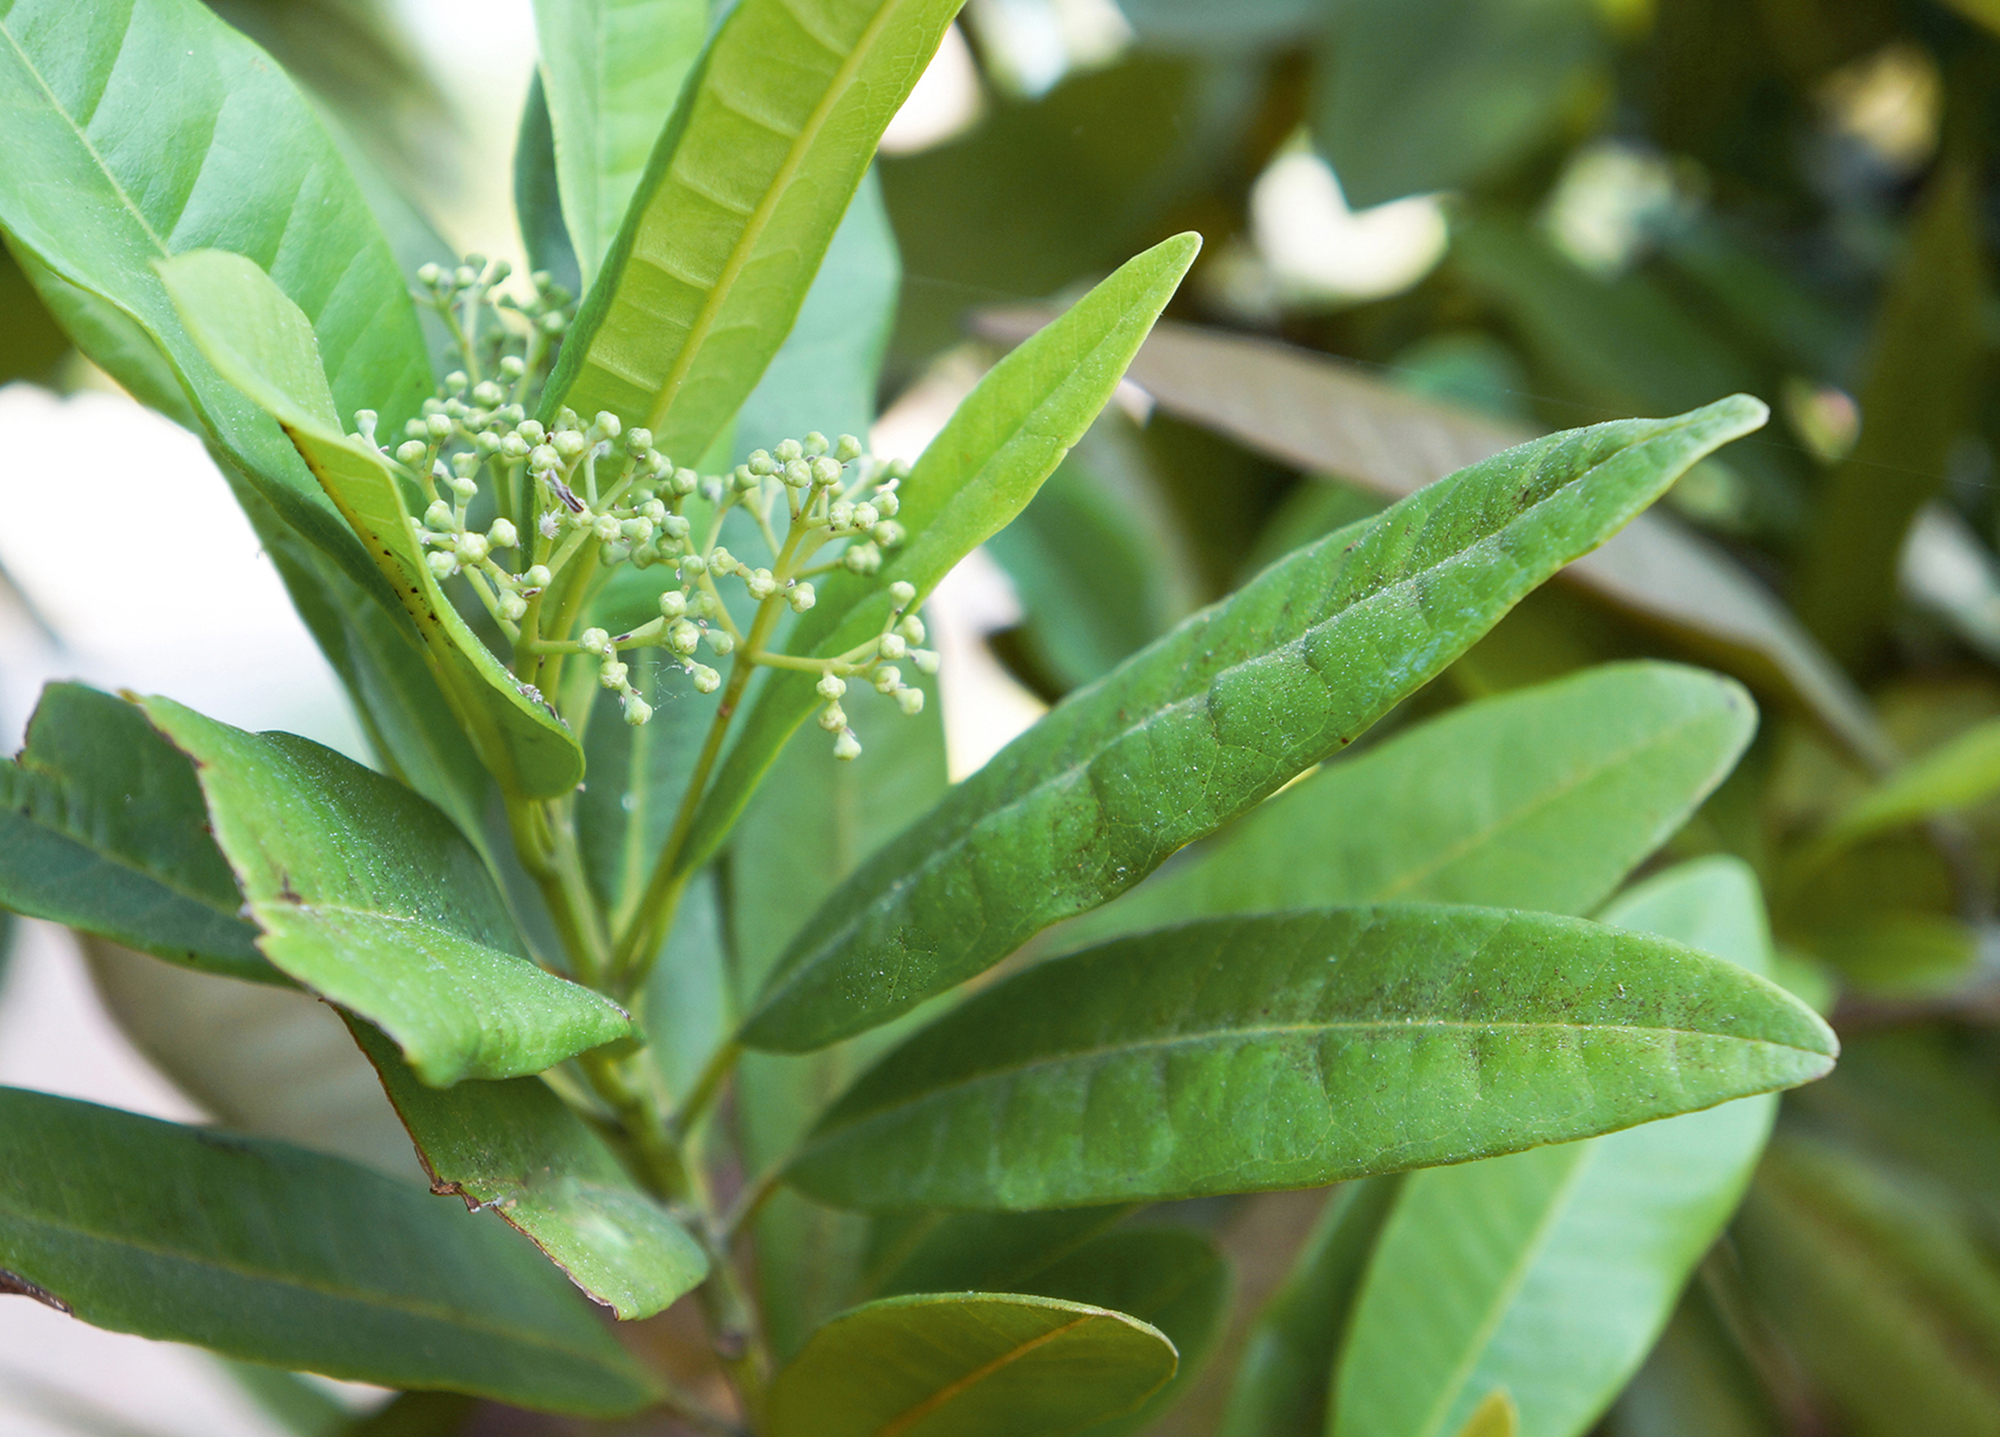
column 1889, row 1303
column 1923, row 361
column 1282, row 1382
column 1547, row 1275
column 1321, row 414
column 611, row 70
column 736, row 207
column 368, row 896
column 968, row 1365
column 141, row 129
column 1956, row 774
column 102, row 827
column 1541, row 799
column 260, row 341
column 537, row 196
column 976, row 1251
column 1210, row 720
column 517, row 1148
column 980, row 471
column 1292, row 1050
column 273, row 1254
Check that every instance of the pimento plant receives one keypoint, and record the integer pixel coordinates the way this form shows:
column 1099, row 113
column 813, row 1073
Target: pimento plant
column 701, row 1008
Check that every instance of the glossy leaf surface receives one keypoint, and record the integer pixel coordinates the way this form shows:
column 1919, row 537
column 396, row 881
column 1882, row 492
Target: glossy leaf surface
column 102, row 827
column 270, row 1253
column 368, row 896
column 1541, row 799
column 611, row 71
column 1282, row 1381
column 968, row 1365
column 983, row 468
column 260, row 341
column 517, row 1148
column 1547, row 1275
column 1293, row 1050
column 1210, row 720
column 736, row 208
column 147, row 128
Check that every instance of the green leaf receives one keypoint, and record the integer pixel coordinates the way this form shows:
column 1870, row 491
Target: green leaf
column 1542, row 799
column 1888, row 1303
column 977, row 475
column 1420, row 95
column 1496, row 1416
column 1547, row 1275
column 368, row 896
column 1201, row 27
column 258, row 340
column 611, row 71
column 519, row 1149
column 1207, row 722
column 1294, row 1050
column 102, row 827
column 142, row 129
column 931, row 1251
column 537, row 197
column 1282, row 1380
column 968, row 1365
column 1956, row 774
column 273, row 1254
column 1696, row 1380
column 736, row 208
column 1319, row 414
column 1924, row 360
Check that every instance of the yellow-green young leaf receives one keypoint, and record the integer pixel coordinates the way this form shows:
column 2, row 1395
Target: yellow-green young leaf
column 737, row 205
column 981, row 470
column 102, row 827
column 969, row 1365
column 140, row 129
column 1954, row 775
column 266, row 1252
column 368, row 896
column 519, row 1149
column 1293, row 1050
column 1207, row 722
column 1542, row 799
column 260, row 342
column 611, row 71
column 1496, row 1416
column 1548, row 1274
column 1283, row 1378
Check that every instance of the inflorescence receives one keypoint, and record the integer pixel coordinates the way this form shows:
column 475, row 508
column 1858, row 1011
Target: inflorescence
column 532, row 516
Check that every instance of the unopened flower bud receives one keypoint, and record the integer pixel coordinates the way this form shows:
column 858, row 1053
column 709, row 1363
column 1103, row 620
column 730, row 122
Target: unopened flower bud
column 912, row 628
column 891, row 646
column 847, row 449
column 801, row 596
column 886, row 503
column 439, row 515
column 706, row 679
column 487, row 393
column 760, row 583
column 865, row 516
column 543, row 458
column 888, row 679
column 910, row 701
column 788, row 450
column 438, row 427
column 840, row 514
column 605, row 528
column 798, row 474
column 538, row 576
column 694, row 564
column 741, row 479
column 471, row 548
column 815, row 443
column 686, row 481
column 673, row 604
column 833, row 718
column 605, row 424
column 514, row 447
column 824, row 471
column 501, row 534
column 676, row 526
column 888, row 533
column 637, row 531
column 847, row 746
column 512, row 366
column 569, row 444
column 513, row 607
column 926, row 660
column 443, row 563
column 412, row 452
column 613, row 674
column 720, row 640
column 902, row 593
column 683, row 636
column 531, row 430
column 466, row 489
column 862, row 559
column 830, row 686
column 595, row 641
column 761, row 462
column 553, row 323
column 430, row 275
column 637, row 710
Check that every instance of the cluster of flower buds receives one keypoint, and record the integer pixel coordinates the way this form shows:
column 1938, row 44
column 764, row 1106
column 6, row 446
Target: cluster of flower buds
column 530, row 514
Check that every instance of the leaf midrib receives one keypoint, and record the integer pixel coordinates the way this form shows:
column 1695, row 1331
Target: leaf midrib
column 83, row 139
column 903, row 1421
column 950, row 846
column 760, row 219
column 415, row 1307
column 1230, row 1036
